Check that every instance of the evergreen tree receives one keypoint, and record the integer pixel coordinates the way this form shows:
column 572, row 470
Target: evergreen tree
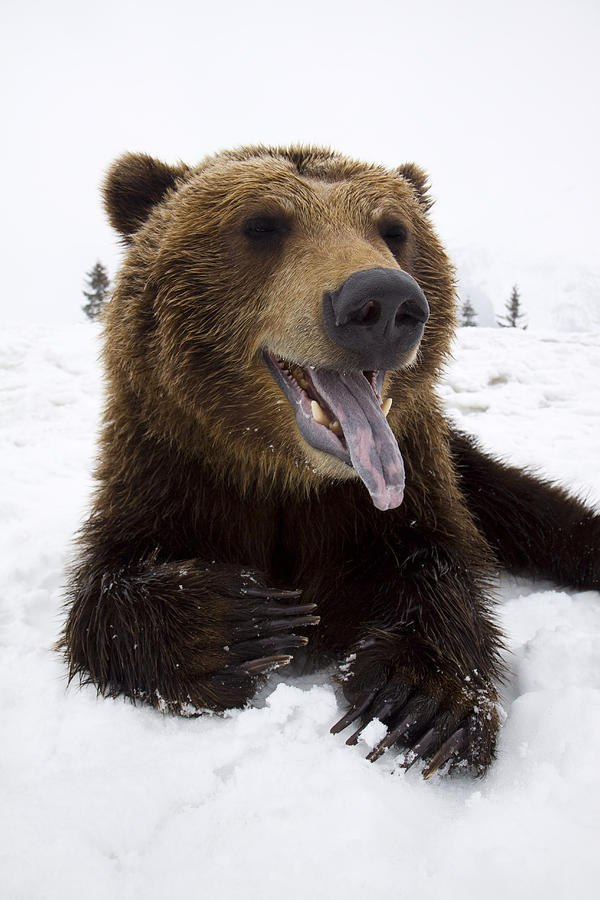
column 468, row 315
column 97, row 295
column 514, row 313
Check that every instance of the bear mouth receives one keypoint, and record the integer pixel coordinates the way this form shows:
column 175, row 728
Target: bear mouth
column 342, row 414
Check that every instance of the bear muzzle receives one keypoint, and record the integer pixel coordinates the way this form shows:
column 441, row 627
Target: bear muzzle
column 342, row 414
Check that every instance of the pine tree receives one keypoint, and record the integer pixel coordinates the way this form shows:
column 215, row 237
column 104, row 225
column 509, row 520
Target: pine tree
column 98, row 283
column 514, row 313
column 468, row 315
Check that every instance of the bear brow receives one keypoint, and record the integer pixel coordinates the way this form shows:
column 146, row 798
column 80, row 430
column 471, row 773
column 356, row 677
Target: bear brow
column 328, row 201
column 370, row 202
column 293, row 196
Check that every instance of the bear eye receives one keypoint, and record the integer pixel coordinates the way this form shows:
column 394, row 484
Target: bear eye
column 265, row 228
column 394, row 233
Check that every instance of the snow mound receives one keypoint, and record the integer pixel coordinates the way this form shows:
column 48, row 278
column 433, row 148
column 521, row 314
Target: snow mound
column 107, row 800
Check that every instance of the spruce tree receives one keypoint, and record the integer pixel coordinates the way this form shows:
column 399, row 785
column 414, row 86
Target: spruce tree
column 97, row 295
column 514, row 313
column 468, row 315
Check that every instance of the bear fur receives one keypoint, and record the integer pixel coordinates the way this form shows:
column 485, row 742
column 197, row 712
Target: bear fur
column 222, row 544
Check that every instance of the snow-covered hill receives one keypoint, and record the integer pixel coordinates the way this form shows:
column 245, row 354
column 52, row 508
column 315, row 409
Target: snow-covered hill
column 555, row 293
column 104, row 800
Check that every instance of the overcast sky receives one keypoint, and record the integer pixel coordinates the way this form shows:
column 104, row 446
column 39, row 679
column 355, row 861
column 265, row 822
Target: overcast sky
column 499, row 101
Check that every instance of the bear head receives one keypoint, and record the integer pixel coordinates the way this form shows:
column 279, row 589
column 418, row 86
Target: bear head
column 273, row 304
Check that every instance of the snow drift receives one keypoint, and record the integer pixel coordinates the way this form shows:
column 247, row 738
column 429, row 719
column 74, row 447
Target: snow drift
column 107, row 800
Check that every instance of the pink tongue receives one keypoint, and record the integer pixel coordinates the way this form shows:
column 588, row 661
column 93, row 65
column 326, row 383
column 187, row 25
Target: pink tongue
column 371, row 443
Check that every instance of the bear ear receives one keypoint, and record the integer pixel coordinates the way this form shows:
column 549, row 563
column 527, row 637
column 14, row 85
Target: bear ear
column 419, row 181
column 135, row 183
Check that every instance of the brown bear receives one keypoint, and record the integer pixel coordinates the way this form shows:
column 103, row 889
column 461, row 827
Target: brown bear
column 259, row 501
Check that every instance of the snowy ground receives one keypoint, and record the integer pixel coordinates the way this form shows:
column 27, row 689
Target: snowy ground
column 104, row 800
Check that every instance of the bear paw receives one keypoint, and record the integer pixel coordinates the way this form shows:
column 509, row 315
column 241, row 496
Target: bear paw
column 264, row 627
column 262, row 624
column 438, row 718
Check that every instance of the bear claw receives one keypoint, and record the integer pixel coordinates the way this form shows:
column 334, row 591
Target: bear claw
column 265, row 626
column 265, row 664
column 452, row 747
column 271, row 593
column 356, row 710
column 420, row 750
column 273, row 644
column 300, row 610
column 393, row 736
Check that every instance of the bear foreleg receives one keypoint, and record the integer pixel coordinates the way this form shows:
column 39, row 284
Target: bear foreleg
column 428, row 670
column 183, row 636
column 534, row 527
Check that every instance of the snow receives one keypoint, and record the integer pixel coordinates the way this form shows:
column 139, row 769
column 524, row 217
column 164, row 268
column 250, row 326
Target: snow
column 103, row 799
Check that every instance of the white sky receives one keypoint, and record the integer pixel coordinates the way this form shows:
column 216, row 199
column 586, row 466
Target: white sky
column 499, row 101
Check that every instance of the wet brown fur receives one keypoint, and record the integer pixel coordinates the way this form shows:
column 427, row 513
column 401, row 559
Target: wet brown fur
column 204, row 479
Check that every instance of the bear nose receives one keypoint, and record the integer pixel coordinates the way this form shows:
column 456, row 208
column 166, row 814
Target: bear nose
column 379, row 314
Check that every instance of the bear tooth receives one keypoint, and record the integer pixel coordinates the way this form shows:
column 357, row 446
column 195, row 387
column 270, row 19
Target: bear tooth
column 386, row 406
column 318, row 415
column 336, row 427
column 297, row 373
